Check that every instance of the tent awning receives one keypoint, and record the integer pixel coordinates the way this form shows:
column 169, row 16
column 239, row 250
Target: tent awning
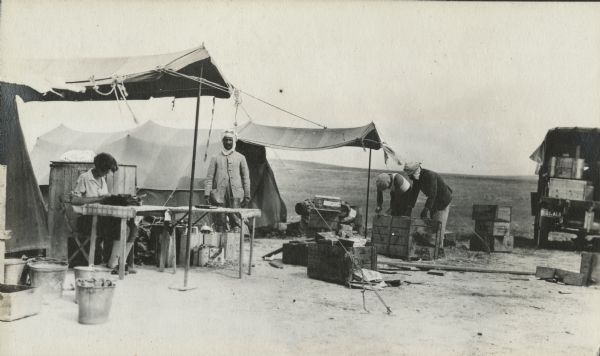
column 143, row 77
column 292, row 138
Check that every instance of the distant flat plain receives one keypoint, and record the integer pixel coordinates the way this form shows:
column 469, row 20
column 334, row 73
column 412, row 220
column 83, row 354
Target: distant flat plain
column 299, row 180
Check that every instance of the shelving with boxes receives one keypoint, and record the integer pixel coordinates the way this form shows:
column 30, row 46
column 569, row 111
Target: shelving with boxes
column 572, row 201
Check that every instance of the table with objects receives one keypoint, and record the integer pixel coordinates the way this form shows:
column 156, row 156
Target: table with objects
column 127, row 212
column 241, row 212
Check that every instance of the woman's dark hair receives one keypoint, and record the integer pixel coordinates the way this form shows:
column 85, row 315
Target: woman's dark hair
column 105, row 162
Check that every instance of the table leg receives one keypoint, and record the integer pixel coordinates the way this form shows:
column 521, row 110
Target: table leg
column 122, row 259
column 93, row 236
column 2, row 251
column 251, row 246
column 163, row 249
column 172, row 255
column 241, row 256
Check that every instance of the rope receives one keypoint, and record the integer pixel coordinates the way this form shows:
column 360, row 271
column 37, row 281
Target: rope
column 209, row 130
column 246, row 112
column 238, row 102
column 208, row 83
column 285, row 111
column 124, row 94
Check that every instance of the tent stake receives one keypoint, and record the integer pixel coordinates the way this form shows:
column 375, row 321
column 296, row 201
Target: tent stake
column 368, row 188
column 189, row 229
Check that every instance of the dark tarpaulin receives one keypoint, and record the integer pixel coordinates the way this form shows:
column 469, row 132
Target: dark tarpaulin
column 25, row 211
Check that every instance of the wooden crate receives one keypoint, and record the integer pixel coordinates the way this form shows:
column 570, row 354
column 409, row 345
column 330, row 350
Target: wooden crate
column 295, row 253
column 497, row 243
column 571, row 189
column 332, row 264
column 403, row 237
column 492, row 228
column 499, row 213
column 323, row 219
column 63, row 178
column 326, row 202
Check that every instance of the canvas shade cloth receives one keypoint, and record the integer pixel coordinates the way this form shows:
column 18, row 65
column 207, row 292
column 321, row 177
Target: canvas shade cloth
column 292, row 138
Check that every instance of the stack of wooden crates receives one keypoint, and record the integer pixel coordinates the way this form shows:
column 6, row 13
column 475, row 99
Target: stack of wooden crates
column 407, row 238
column 566, row 181
column 324, row 215
column 492, row 225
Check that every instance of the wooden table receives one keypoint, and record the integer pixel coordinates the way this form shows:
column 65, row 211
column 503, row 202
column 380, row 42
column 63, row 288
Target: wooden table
column 243, row 213
column 122, row 212
column 128, row 212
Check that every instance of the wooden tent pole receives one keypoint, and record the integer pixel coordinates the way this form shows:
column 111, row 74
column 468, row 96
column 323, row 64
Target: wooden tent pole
column 368, row 188
column 189, row 230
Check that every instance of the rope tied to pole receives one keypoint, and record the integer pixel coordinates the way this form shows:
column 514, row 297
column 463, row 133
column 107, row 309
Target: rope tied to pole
column 212, row 117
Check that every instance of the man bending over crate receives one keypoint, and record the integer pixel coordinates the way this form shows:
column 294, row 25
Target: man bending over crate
column 400, row 193
column 439, row 194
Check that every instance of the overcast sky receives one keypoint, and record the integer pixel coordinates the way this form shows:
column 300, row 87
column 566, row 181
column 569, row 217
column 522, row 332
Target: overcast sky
column 462, row 87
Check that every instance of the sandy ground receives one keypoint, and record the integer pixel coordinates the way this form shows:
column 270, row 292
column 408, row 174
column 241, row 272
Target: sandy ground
column 283, row 312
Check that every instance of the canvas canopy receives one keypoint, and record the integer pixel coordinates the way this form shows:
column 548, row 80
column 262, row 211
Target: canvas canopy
column 130, row 78
column 162, row 75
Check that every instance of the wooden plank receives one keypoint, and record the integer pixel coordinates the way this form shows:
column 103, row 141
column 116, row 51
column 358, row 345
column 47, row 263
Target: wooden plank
column 571, row 278
column 429, row 266
column 545, row 272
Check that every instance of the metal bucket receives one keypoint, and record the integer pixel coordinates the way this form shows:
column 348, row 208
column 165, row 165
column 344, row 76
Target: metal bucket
column 85, row 272
column 94, row 300
column 48, row 275
column 203, row 255
column 13, row 271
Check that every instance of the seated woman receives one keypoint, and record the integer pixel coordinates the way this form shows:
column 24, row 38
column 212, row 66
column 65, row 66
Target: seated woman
column 91, row 187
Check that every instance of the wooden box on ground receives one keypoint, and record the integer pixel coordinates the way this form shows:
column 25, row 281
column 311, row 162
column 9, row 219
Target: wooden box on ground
column 495, row 243
column 497, row 213
column 295, row 253
column 323, row 219
column 492, row 228
column 332, row 264
column 17, row 301
column 62, row 181
column 406, row 238
column 571, row 189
